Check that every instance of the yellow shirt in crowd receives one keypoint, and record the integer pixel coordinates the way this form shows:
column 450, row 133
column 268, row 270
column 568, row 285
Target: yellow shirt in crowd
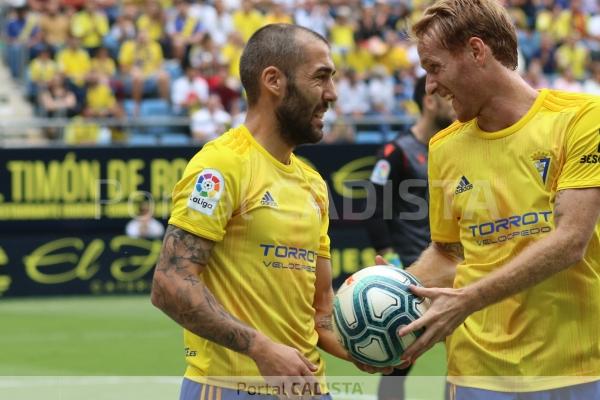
column 90, row 28
column 247, row 24
column 75, row 64
column 42, row 71
column 100, row 97
column 148, row 57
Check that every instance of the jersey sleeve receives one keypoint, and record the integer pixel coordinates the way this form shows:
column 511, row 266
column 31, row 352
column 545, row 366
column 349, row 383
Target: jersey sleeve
column 444, row 228
column 323, row 203
column 582, row 150
column 207, row 194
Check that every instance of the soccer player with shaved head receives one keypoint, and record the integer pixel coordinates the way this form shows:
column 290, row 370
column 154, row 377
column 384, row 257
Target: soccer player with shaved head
column 244, row 266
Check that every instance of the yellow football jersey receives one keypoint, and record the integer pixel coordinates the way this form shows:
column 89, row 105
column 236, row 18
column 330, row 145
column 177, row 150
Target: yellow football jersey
column 494, row 192
column 247, row 23
column 42, row 71
column 148, row 58
column 269, row 222
column 90, row 28
column 75, row 64
column 154, row 27
column 100, row 97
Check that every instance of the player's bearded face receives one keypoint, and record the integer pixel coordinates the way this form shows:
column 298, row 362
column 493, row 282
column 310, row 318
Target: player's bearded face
column 296, row 115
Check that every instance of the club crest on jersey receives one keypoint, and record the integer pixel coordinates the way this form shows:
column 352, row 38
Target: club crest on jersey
column 207, row 191
column 381, row 172
column 541, row 162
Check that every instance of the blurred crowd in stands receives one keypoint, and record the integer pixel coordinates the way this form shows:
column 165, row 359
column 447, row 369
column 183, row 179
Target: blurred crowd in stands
column 137, row 58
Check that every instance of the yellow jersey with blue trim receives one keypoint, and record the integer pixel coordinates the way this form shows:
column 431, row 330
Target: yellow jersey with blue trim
column 494, row 192
column 269, row 222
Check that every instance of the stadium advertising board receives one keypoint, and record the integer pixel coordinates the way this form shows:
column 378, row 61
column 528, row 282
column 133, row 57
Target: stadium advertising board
column 106, row 263
column 63, row 213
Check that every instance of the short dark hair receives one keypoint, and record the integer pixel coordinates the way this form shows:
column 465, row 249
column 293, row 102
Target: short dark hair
column 419, row 91
column 272, row 45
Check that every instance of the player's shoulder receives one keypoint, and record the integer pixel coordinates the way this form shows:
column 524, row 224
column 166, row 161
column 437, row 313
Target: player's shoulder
column 575, row 106
column 561, row 101
column 230, row 149
column 447, row 134
column 581, row 109
column 308, row 170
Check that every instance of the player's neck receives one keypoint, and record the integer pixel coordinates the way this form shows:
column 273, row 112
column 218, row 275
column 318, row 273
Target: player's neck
column 507, row 103
column 266, row 133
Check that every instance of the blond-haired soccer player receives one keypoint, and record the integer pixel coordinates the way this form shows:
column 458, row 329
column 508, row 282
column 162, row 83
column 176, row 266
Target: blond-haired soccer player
column 514, row 268
column 244, row 266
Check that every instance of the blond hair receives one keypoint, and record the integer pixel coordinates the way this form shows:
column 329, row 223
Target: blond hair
column 453, row 22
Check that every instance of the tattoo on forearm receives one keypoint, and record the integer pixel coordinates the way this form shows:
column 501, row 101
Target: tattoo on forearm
column 558, row 213
column 325, row 322
column 454, row 250
column 192, row 280
column 238, row 338
column 179, row 292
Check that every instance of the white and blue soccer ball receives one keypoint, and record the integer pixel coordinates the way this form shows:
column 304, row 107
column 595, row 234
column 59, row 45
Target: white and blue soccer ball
column 369, row 309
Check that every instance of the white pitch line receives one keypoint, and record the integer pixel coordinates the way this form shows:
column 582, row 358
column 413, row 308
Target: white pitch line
column 27, row 381
column 32, row 381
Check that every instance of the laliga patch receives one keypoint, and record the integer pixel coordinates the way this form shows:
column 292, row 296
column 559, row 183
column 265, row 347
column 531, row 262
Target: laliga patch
column 381, row 172
column 207, row 191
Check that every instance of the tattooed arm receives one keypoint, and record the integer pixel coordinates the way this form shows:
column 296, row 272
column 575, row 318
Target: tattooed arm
column 323, row 304
column 436, row 266
column 179, row 293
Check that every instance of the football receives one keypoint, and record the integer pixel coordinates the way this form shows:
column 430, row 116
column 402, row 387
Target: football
column 370, row 307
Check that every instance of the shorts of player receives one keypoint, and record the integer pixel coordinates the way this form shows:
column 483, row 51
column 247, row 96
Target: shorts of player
column 191, row 390
column 577, row 392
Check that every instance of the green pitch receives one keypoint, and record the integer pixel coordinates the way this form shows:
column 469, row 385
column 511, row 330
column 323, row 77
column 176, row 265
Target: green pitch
column 123, row 348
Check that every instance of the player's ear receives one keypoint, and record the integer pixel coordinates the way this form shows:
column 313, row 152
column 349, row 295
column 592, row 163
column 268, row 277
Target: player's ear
column 273, row 80
column 477, row 49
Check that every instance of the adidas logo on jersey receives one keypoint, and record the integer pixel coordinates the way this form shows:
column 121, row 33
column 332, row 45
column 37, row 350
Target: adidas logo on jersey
column 268, row 200
column 463, row 185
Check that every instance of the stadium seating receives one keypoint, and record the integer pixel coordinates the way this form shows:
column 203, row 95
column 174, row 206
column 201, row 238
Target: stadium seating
column 554, row 37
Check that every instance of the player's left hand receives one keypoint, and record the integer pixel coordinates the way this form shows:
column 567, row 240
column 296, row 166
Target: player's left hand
column 448, row 309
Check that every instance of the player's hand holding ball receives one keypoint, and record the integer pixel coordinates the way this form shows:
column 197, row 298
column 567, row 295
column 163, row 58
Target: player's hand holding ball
column 370, row 308
column 445, row 309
